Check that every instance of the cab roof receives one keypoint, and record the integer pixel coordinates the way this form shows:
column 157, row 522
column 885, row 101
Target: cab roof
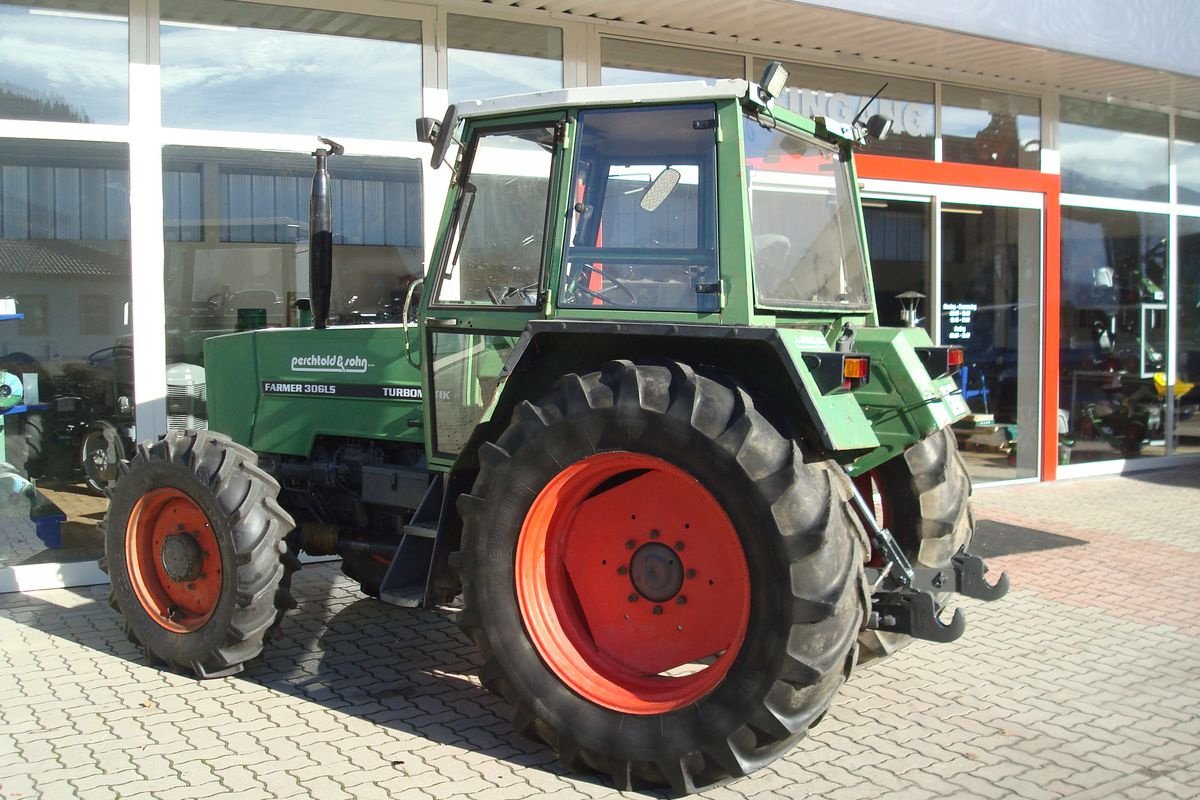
column 605, row 96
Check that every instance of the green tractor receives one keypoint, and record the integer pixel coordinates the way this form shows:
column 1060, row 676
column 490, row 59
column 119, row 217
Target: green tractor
column 636, row 418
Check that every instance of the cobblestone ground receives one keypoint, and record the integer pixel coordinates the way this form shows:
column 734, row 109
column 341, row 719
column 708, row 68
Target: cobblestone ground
column 1082, row 683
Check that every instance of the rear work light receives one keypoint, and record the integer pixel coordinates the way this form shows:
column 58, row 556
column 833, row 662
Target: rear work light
column 838, row 371
column 941, row 360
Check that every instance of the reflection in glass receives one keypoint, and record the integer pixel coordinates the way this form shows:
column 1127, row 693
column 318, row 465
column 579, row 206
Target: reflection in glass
column 64, row 266
column 982, row 127
column 840, row 94
column 65, row 61
column 494, row 57
column 236, row 230
column 623, row 61
column 1187, row 381
column 1187, row 159
column 898, row 237
column 1114, row 324
column 991, row 288
column 248, row 67
column 1113, row 151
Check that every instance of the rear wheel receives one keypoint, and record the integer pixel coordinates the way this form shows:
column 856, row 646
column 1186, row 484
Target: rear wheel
column 195, row 550
column 925, row 503
column 659, row 583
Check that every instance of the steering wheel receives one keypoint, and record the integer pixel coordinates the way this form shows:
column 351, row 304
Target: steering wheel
column 586, row 271
column 528, row 295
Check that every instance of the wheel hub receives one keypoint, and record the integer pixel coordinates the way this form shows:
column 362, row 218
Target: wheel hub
column 182, row 558
column 656, row 572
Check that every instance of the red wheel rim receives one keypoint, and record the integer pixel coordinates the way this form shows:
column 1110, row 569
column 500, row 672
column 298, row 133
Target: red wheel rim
column 174, row 561
column 632, row 583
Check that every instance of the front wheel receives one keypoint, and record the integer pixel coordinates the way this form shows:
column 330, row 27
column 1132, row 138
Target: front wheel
column 659, row 583
column 925, row 496
column 194, row 547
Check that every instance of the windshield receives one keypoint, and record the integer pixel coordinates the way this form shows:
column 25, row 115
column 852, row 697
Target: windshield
column 807, row 249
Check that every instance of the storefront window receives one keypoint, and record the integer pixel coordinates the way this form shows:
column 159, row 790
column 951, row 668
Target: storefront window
column 839, row 94
column 1187, row 380
column 1114, row 332
column 65, row 61
column 982, row 127
column 249, row 67
column 236, row 229
column 623, row 61
column 66, row 347
column 1113, row 151
column 1187, row 159
column 495, row 57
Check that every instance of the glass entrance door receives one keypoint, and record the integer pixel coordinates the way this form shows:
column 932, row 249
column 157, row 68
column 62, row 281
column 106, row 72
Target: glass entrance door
column 990, row 278
column 966, row 264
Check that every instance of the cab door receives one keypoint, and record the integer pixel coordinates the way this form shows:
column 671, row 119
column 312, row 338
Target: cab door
column 491, row 275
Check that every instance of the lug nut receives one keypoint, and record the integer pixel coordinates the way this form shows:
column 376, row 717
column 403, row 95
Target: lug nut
column 679, row 545
column 622, row 570
column 681, row 601
column 691, row 573
column 654, row 534
column 633, row 597
column 630, row 544
column 658, row 609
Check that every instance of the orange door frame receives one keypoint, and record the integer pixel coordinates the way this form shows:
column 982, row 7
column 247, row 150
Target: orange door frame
column 1019, row 180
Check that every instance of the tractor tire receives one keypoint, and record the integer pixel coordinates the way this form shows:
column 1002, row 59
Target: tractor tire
column 925, row 500
column 100, row 454
column 195, row 551
column 660, row 584
column 33, row 460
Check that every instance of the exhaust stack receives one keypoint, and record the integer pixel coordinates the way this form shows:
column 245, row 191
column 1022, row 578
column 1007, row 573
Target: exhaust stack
column 320, row 234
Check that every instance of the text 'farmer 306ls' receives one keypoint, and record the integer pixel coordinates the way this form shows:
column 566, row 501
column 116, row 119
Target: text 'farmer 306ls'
column 636, row 419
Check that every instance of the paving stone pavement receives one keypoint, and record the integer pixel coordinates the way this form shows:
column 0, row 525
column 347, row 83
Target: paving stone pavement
column 1082, row 683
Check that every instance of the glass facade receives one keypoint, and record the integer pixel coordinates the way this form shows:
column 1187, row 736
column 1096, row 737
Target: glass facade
column 247, row 67
column 840, row 94
column 1186, row 390
column 493, row 57
column 1187, row 159
column 65, row 341
column 1113, row 151
column 1114, row 332
column 982, row 127
column 624, row 61
column 65, row 61
column 236, row 230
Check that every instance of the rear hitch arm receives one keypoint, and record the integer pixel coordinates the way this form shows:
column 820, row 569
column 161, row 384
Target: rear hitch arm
column 916, row 614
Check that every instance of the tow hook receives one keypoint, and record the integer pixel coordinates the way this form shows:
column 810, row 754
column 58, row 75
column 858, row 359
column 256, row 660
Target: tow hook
column 912, row 608
column 903, row 596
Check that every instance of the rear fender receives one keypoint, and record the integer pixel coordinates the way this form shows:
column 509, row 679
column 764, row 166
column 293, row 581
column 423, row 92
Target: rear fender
column 903, row 401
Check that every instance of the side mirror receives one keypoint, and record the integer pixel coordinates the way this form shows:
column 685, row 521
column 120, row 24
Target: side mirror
column 878, row 127
column 445, row 135
column 427, row 130
column 660, row 189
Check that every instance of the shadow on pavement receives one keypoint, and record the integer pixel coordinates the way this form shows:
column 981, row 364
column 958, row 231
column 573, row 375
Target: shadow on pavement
column 409, row 670
column 993, row 539
column 1187, row 477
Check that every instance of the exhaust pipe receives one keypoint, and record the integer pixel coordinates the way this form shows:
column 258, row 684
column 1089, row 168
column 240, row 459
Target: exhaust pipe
column 320, row 234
